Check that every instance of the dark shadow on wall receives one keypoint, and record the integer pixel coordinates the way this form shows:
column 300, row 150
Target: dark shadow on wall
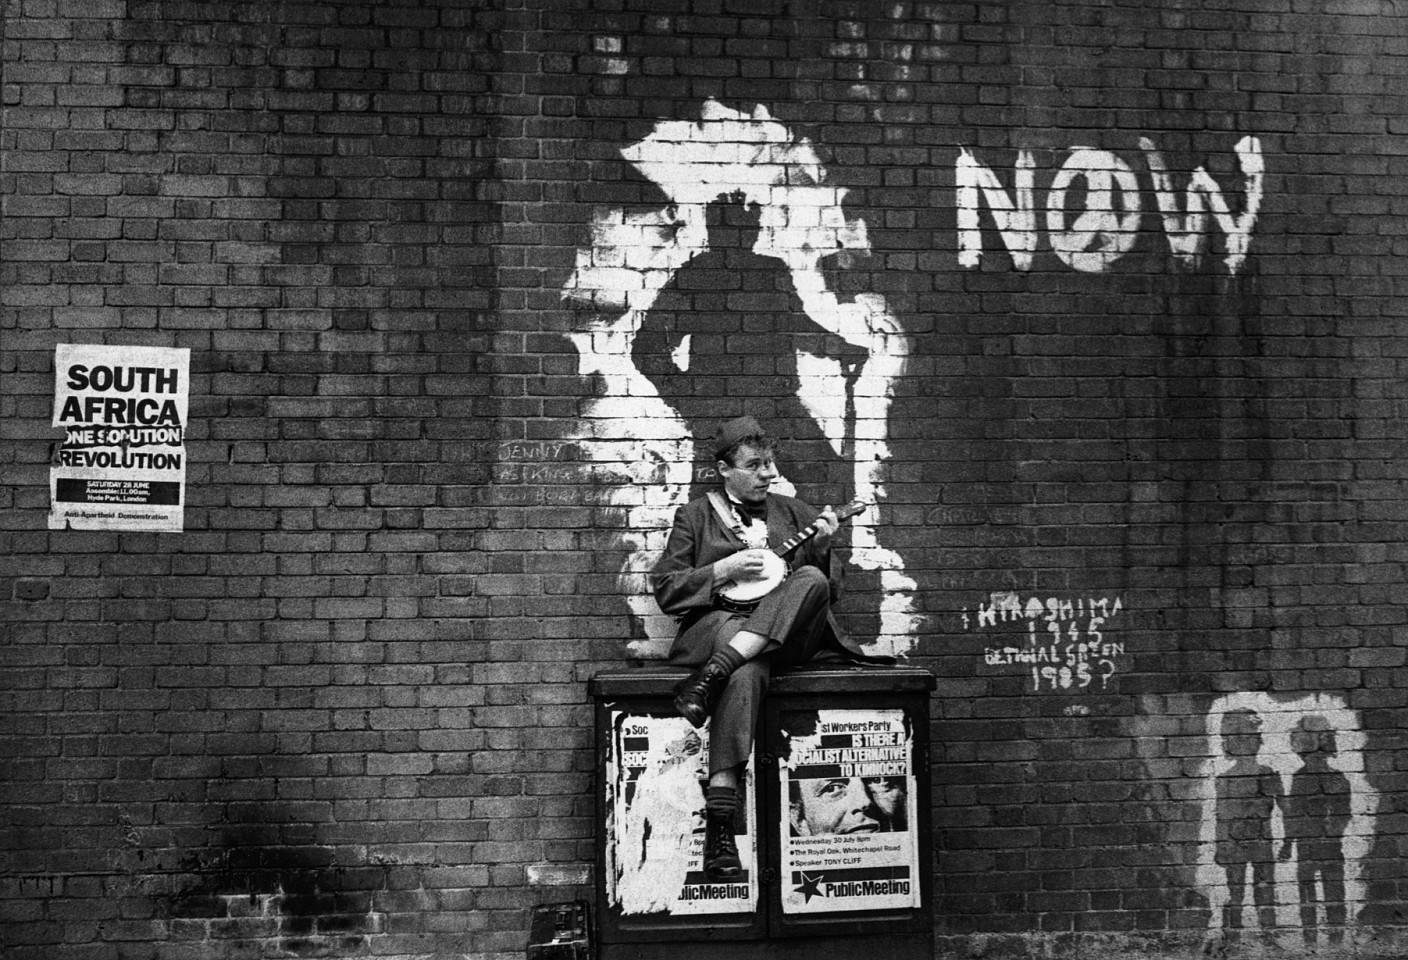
column 254, row 893
column 722, row 340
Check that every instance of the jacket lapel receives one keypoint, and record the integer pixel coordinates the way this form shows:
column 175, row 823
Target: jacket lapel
column 716, row 512
column 779, row 525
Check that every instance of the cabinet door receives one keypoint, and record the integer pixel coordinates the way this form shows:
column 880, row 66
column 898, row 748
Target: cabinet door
column 652, row 768
column 847, row 846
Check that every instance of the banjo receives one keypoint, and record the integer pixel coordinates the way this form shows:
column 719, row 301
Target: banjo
column 747, row 593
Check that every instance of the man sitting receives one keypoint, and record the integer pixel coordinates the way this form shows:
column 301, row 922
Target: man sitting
column 717, row 541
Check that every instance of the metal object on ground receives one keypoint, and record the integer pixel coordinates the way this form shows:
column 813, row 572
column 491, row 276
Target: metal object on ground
column 560, row 931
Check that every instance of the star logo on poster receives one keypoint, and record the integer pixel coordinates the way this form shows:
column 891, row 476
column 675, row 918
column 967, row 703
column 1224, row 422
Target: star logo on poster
column 810, row 887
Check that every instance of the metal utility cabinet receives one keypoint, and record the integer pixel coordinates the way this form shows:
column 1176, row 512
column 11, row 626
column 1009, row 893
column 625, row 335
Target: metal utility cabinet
column 834, row 828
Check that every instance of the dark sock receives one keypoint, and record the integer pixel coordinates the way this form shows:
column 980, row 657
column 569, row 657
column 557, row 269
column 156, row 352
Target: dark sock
column 728, row 658
column 721, row 800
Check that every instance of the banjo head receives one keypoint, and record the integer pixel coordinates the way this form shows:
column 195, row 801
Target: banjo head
column 774, row 570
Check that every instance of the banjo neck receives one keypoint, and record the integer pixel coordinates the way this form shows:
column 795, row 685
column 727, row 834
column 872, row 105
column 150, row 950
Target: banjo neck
column 796, row 540
column 810, row 530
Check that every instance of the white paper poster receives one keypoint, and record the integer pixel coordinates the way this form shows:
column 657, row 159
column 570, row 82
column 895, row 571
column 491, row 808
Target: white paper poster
column 655, row 779
column 122, row 462
column 850, row 833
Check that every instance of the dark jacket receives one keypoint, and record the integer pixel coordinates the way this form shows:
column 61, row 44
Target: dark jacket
column 683, row 578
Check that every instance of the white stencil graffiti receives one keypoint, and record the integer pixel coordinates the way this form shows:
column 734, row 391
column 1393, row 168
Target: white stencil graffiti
column 633, row 257
column 1107, row 228
column 1287, row 815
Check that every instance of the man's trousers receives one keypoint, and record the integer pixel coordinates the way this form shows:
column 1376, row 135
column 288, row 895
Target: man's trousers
column 793, row 618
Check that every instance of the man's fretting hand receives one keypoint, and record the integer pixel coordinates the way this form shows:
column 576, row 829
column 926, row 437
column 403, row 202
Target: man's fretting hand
column 826, row 526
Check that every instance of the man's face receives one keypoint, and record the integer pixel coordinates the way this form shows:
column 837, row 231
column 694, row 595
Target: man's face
column 747, row 479
column 836, row 805
column 888, row 796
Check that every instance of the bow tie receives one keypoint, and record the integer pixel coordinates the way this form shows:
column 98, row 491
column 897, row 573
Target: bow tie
column 753, row 511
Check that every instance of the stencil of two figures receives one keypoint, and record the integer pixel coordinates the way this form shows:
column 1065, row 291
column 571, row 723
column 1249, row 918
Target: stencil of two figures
column 1315, row 812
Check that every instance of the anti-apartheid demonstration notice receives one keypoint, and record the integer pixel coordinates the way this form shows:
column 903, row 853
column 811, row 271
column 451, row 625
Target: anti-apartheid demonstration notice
column 851, row 837
column 655, row 778
column 122, row 462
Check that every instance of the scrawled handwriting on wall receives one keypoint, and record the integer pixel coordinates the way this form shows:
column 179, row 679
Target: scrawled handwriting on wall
column 1063, row 643
column 544, row 473
column 538, row 450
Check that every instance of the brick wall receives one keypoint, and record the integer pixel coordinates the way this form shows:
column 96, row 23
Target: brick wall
column 455, row 319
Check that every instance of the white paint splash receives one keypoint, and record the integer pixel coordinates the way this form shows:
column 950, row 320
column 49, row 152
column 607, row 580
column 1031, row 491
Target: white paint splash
column 1279, row 720
column 633, row 256
column 680, row 355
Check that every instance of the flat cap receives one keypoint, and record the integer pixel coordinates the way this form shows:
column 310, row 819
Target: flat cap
column 733, row 431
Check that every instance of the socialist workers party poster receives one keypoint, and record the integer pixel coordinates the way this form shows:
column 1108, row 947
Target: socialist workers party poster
column 122, row 462
column 849, row 832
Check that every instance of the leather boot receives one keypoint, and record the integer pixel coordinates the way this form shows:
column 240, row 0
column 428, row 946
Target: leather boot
column 696, row 694
column 721, row 862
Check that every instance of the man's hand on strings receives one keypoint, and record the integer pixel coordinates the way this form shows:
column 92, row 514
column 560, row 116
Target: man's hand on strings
column 742, row 566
